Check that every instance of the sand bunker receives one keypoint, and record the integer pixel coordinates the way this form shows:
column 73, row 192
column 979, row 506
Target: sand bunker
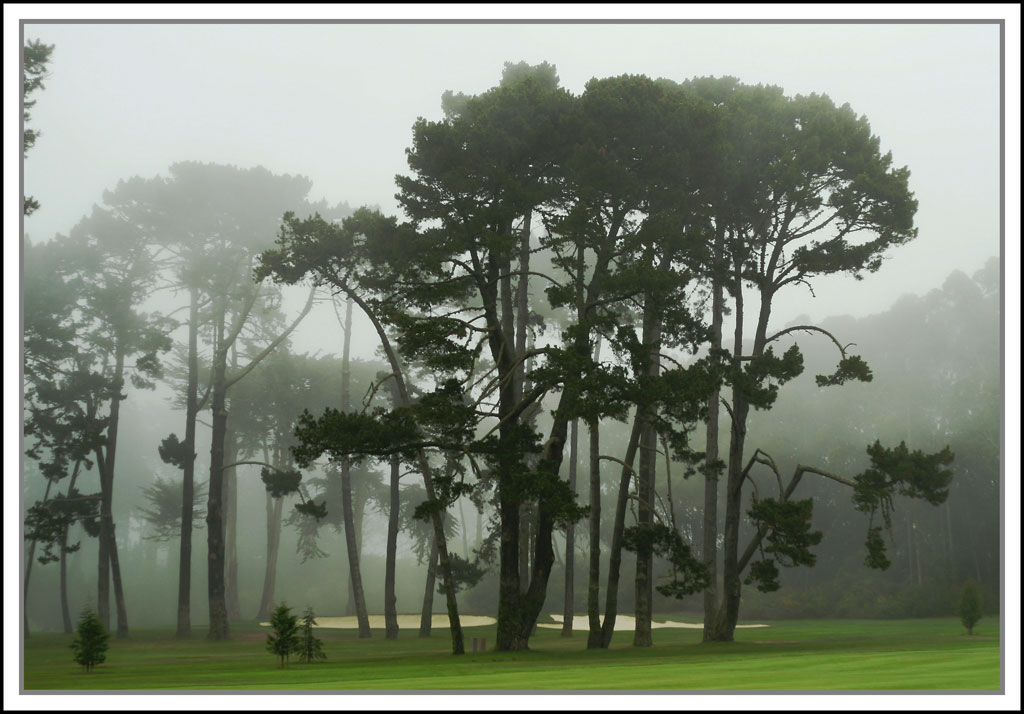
column 624, row 622
column 410, row 622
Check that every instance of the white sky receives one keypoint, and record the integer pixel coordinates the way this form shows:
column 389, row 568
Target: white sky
column 336, row 102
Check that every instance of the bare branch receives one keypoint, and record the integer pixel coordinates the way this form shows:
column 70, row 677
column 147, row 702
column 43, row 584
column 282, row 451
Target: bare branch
column 811, row 328
column 273, row 345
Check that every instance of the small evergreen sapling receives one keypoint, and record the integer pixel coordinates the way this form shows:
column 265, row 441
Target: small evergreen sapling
column 90, row 643
column 970, row 606
column 284, row 640
column 311, row 648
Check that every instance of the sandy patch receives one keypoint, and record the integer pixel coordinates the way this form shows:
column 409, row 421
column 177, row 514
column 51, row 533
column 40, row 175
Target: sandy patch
column 626, row 622
column 404, row 621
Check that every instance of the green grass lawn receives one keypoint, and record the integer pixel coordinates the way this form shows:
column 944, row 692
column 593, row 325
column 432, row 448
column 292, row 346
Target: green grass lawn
column 933, row 654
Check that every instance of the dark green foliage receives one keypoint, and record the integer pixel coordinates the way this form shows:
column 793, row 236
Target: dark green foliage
column 36, row 58
column 91, row 641
column 849, row 368
column 899, row 471
column 876, row 557
column 313, row 509
column 345, row 435
column 280, row 482
column 765, row 574
column 47, row 522
column 164, row 512
column 466, row 573
column 174, row 452
column 767, row 368
column 970, row 606
column 688, row 575
column 284, row 640
column 787, row 528
column 310, row 648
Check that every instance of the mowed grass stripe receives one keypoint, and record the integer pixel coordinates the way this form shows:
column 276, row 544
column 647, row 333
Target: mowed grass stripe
column 797, row 655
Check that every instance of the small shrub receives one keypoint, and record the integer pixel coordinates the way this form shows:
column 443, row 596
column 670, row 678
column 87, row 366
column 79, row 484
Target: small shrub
column 311, row 648
column 284, row 640
column 90, row 642
column 970, row 606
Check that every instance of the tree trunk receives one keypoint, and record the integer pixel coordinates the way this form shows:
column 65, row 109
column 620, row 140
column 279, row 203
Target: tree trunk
column 351, row 546
column 390, row 609
column 109, row 565
column 427, row 613
column 615, row 554
column 463, row 529
column 231, row 528
column 65, row 610
column 709, row 543
column 643, row 609
column 594, row 574
column 188, row 474
column 728, row 612
column 570, row 536
column 231, row 516
column 219, row 628
column 524, row 547
column 28, row 573
column 119, row 600
column 274, row 508
column 32, row 556
column 353, row 554
column 458, row 646
column 646, row 473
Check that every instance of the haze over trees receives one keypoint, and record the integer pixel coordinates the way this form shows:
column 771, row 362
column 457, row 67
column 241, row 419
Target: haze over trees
column 608, row 260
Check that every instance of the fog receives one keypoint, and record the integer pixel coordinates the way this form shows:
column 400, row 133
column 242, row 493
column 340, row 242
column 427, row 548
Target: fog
column 336, row 104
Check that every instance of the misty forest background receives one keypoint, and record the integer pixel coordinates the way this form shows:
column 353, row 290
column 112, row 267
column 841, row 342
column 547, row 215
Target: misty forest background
column 128, row 274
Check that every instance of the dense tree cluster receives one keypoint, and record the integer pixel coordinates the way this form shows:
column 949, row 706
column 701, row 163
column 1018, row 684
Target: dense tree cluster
column 561, row 261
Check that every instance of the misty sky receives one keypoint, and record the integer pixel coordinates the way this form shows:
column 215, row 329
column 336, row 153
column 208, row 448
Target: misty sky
column 336, row 102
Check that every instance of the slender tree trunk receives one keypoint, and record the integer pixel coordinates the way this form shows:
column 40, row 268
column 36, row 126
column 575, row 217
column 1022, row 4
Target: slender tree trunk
column 219, row 628
column 728, row 611
column 119, row 600
column 646, row 473
column 570, row 536
column 427, row 613
column 644, row 559
column 615, row 553
column 594, row 574
column 103, row 574
column 463, row 529
column 188, row 475
column 458, row 646
column 353, row 552
column 355, row 577
column 32, row 557
column 231, row 527
column 28, row 573
column 215, row 516
column 109, row 565
column 390, row 608
column 274, row 509
column 710, row 524
column 231, row 515
column 524, row 547
column 65, row 610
